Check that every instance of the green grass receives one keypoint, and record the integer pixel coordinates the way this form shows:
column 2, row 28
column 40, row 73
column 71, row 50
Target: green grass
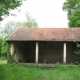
column 21, row 72
column 3, row 61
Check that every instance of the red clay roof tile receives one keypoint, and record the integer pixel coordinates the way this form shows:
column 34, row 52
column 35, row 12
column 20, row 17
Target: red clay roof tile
column 46, row 34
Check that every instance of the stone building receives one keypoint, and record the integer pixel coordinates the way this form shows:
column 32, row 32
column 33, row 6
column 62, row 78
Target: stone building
column 45, row 45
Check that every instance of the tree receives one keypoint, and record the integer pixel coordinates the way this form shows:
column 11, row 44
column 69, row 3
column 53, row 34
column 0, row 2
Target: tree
column 31, row 23
column 9, row 28
column 0, row 45
column 4, row 47
column 7, row 5
column 73, row 9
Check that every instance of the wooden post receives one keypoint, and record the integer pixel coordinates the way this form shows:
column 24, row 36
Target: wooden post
column 36, row 59
column 64, row 53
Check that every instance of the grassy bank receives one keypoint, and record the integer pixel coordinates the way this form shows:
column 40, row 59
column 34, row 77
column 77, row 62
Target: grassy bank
column 21, row 72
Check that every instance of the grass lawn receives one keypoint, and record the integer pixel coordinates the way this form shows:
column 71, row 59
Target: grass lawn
column 3, row 61
column 22, row 72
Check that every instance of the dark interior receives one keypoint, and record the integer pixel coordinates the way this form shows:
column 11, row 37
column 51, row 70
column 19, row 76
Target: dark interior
column 49, row 52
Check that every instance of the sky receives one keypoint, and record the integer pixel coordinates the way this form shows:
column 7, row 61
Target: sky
column 47, row 13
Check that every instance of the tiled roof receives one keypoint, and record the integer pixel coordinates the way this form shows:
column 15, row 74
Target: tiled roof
column 46, row 34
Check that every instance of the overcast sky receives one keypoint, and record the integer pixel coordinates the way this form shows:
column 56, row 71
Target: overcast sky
column 47, row 13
